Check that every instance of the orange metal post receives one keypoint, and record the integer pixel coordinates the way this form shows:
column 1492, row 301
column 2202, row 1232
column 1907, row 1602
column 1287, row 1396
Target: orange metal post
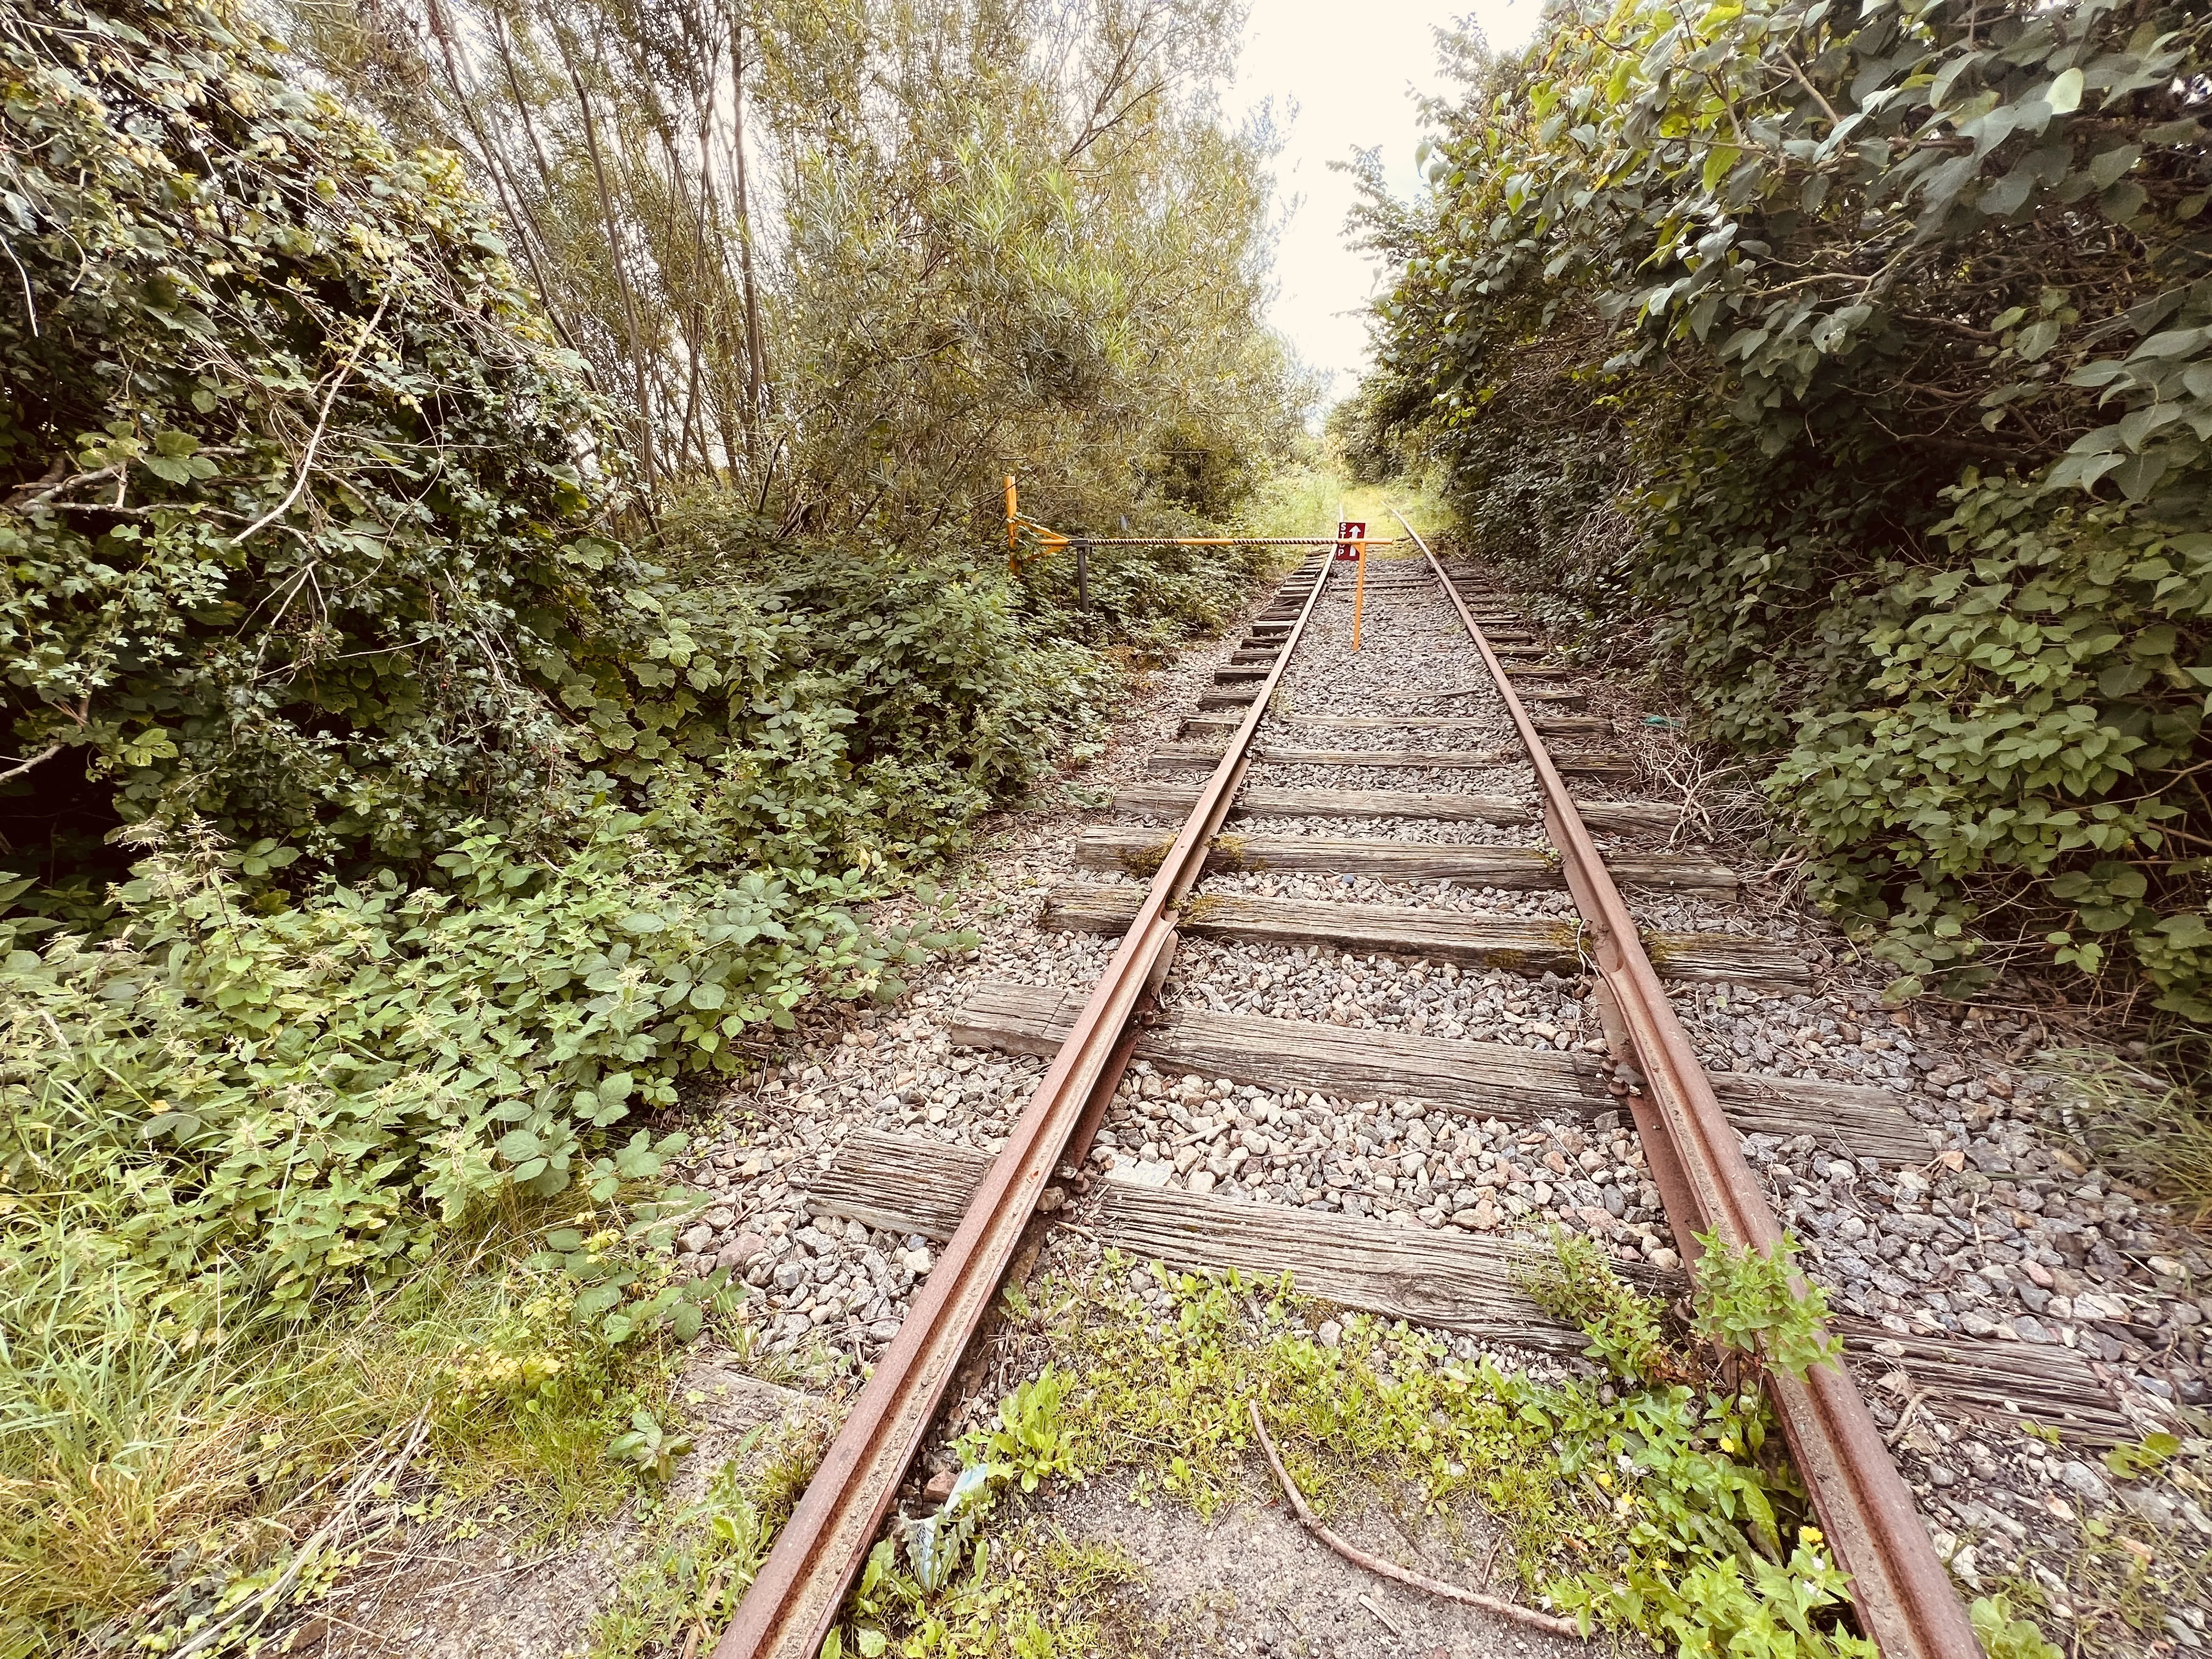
column 1010, row 515
column 1358, row 591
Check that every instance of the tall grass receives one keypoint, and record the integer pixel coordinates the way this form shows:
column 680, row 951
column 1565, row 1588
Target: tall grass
column 1295, row 501
column 149, row 1463
column 1309, row 500
column 2151, row 1131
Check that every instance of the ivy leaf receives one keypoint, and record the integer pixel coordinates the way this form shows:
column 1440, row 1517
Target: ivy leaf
column 2190, row 931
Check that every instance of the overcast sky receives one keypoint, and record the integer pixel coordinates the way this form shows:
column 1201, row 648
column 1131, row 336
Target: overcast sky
column 1351, row 71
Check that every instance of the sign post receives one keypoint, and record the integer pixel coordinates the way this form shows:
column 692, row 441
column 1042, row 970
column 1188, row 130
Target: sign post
column 1351, row 543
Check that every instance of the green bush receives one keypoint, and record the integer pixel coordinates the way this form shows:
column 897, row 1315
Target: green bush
column 2030, row 696
column 287, row 1102
column 296, row 539
column 1853, row 366
column 293, row 508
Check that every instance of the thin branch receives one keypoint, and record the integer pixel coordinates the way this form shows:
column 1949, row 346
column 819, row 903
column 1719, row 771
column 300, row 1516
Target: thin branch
column 56, row 479
column 30, row 305
column 322, row 420
column 1826, row 108
column 326, row 1537
column 23, row 765
column 1544, row 1621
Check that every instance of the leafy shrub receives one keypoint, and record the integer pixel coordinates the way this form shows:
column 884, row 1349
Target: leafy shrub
column 1851, row 363
column 299, row 1099
column 2028, row 697
column 297, row 540
column 287, row 455
column 959, row 701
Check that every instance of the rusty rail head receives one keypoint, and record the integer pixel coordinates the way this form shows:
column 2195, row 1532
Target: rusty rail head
column 790, row 1607
column 1901, row 1593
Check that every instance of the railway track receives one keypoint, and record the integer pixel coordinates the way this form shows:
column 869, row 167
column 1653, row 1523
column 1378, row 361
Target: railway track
column 1430, row 810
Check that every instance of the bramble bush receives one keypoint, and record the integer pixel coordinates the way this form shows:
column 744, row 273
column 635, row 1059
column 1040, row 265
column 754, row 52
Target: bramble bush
column 1852, row 364
column 310, row 527
column 298, row 1100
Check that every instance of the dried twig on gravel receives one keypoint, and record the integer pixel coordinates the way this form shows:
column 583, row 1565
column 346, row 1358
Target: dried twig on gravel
column 325, row 1538
column 1375, row 1564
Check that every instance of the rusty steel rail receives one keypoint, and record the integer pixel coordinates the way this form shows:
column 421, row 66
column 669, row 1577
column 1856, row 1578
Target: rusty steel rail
column 1900, row 1589
column 790, row 1607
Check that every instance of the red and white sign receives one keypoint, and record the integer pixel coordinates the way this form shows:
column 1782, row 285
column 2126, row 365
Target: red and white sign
column 1348, row 531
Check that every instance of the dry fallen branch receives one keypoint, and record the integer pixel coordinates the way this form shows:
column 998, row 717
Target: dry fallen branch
column 326, row 1538
column 1374, row 1563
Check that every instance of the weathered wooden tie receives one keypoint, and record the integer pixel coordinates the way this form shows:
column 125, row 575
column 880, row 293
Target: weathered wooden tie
column 1138, row 852
column 1263, row 800
column 1549, row 726
column 1516, row 945
column 1204, row 757
column 1444, row 1281
column 1481, row 1079
column 1553, row 698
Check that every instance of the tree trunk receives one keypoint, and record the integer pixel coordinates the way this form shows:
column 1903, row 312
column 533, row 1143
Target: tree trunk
column 755, row 352
column 614, row 255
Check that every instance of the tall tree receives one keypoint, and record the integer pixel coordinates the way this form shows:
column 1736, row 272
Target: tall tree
column 855, row 260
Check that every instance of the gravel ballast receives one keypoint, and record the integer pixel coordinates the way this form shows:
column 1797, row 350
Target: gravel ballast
column 2001, row 1235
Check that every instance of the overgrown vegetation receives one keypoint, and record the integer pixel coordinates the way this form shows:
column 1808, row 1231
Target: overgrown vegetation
column 1655, row 1497
column 1851, row 361
column 435, row 737
column 165, row 1474
column 2144, row 1128
column 701, row 1557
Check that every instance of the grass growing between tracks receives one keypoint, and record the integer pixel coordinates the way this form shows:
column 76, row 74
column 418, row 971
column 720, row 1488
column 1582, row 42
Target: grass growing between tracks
column 1654, row 1498
column 2144, row 1128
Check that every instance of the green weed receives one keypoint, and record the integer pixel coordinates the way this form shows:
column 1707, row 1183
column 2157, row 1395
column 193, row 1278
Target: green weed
column 1577, row 1287
column 1026, row 1592
column 1031, row 1443
column 1635, row 1502
column 2004, row 1636
column 699, row 1560
column 2119, row 1586
column 1754, row 1303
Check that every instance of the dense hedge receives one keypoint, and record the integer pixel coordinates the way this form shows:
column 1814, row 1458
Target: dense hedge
column 463, row 830
column 305, row 523
column 1856, row 360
